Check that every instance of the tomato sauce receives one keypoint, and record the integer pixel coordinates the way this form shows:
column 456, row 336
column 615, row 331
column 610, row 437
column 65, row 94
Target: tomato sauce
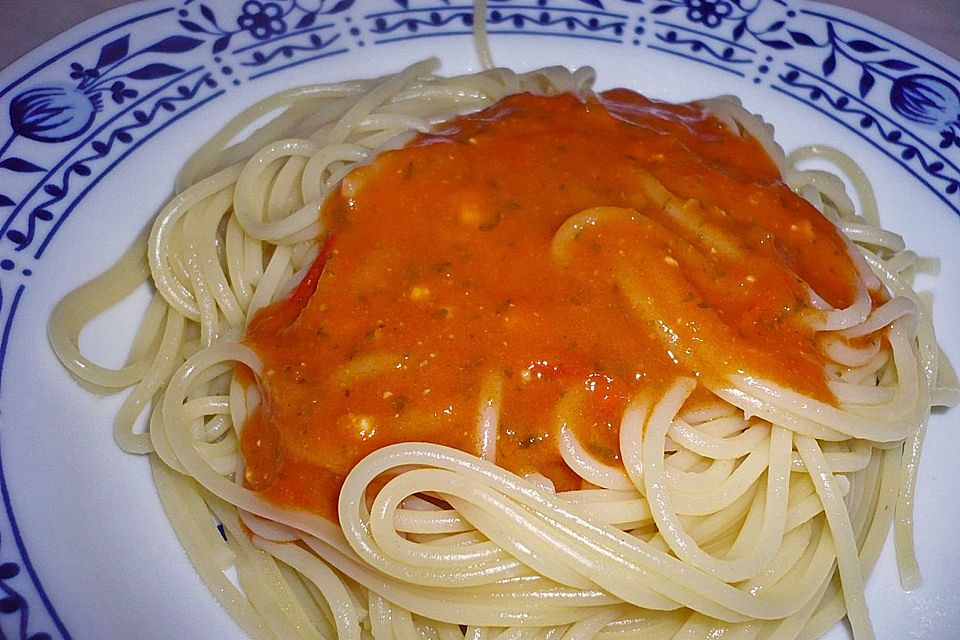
column 442, row 270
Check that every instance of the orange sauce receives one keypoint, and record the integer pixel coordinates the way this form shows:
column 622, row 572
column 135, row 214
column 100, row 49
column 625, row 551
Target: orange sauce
column 440, row 273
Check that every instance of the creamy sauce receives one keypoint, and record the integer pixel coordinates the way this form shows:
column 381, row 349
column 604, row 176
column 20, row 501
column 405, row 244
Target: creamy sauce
column 442, row 272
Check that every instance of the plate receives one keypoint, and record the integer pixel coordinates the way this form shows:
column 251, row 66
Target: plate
column 101, row 117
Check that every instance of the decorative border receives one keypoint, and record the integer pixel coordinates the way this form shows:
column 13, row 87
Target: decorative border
column 76, row 115
column 584, row 19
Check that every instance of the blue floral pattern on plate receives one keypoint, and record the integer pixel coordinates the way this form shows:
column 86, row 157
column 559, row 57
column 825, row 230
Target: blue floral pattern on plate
column 108, row 93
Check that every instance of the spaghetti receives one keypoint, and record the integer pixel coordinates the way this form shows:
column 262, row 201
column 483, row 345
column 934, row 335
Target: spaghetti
column 726, row 493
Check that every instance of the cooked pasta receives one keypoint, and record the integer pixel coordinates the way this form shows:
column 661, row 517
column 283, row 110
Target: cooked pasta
column 736, row 500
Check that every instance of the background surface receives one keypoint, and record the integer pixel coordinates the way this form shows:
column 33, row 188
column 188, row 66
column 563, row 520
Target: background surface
column 25, row 24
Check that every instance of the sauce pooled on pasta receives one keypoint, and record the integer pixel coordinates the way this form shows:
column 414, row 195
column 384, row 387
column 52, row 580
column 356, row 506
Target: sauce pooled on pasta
column 445, row 276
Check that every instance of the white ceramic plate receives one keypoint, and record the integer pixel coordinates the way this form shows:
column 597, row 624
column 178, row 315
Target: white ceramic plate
column 98, row 120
